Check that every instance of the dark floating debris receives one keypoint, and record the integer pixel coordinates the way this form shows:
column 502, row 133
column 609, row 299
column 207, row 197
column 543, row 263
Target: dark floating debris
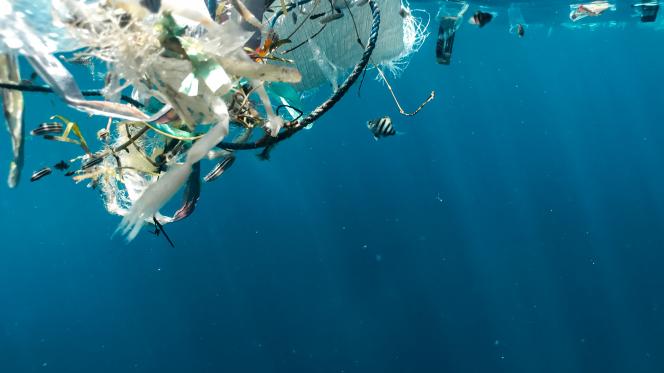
column 61, row 166
column 647, row 11
column 446, row 32
column 40, row 173
column 264, row 155
column 220, row 168
column 381, row 127
column 158, row 228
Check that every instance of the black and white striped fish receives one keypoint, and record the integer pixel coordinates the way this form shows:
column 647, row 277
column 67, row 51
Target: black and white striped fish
column 47, row 128
column 381, row 127
column 40, row 173
column 91, row 162
column 220, row 168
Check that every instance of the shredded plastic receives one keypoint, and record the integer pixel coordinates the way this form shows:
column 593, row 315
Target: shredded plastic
column 181, row 76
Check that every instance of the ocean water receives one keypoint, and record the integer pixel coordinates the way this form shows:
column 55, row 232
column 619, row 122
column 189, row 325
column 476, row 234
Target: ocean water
column 515, row 225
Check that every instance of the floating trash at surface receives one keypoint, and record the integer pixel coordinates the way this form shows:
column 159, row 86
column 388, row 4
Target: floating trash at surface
column 647, row 11
column 592, row 9
column 196, row 74
column 450, row 16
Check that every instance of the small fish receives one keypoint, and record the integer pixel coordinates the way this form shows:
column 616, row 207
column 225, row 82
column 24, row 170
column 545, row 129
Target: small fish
column 40, row 173
column 61, row 166
column 381, row 127
column 31, row 80
column 91, row 163
column 294, row 15
column 219, row 169
column 481, row 18
column 331, row 17
column 70, row 173
column 85, row 61
column 46, row 128
column 314, row 16
column 520, row 30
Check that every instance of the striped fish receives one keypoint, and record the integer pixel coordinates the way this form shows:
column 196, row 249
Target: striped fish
column 47, row 128
column 40, row 173
column 219, row 169
column 381, row 127
column 91, row 163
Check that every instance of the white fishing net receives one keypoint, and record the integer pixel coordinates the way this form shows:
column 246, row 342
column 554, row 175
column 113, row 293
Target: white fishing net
column 335, row 49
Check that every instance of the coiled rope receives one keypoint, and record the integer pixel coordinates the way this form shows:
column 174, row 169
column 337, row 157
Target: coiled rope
column 295, row 126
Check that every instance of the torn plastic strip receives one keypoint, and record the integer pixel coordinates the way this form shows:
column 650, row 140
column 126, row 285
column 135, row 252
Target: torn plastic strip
column 192, row 193
column 329, row 70
column 173, row 133
column 12, row 102
column 70, row 127
column 51, row 70
column 64, row 85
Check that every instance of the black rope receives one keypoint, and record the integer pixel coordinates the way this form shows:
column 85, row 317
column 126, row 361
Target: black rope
column 305, row 41
column 46, row 89
column 299, row 112
column 295, row 126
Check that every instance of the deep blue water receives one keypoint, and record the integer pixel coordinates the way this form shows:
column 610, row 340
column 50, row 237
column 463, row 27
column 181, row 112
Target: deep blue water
column 516, row 225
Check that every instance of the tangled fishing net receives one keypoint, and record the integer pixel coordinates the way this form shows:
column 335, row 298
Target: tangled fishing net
column 335, row 47
column 181, row 76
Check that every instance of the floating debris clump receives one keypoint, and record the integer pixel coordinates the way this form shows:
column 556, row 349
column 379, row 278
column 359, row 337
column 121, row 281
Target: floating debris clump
column 180, row 77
